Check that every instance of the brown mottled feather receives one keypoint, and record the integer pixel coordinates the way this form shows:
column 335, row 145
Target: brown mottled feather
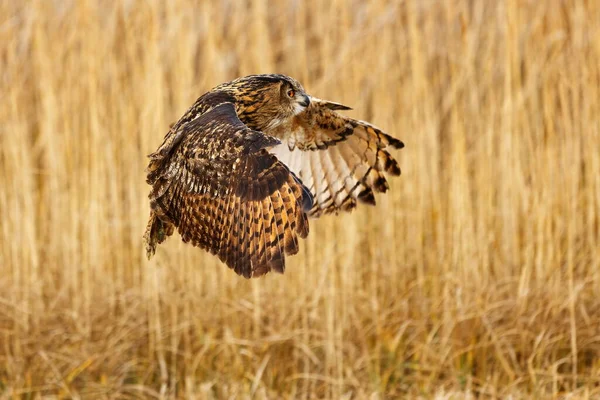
column 213, row 184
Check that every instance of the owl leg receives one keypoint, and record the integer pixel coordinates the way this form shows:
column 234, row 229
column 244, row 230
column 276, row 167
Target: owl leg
column 157, row 232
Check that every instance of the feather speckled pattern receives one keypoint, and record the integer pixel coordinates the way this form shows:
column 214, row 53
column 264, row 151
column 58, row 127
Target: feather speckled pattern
column 241, row 171
column 225, row 193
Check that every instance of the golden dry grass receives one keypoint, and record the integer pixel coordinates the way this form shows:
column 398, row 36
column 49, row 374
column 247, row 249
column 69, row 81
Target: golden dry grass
column 478, row 274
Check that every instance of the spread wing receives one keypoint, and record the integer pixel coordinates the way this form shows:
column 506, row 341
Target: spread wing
column 225, row 193
column 340, row 160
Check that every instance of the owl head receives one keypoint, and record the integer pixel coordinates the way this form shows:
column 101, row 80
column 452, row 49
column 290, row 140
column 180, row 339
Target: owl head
column 266, row 101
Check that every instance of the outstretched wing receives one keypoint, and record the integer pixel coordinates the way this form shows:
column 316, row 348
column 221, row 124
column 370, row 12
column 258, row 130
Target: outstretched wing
column 225, row 193
column 340, row 160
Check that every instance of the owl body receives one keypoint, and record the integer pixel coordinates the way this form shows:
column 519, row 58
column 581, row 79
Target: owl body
column 244, row 167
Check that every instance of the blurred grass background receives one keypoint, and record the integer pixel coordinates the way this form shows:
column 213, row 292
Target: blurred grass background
column 477, row 274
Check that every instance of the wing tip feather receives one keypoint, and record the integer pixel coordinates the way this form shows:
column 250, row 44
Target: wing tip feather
column 367, row 197
column 395, row 143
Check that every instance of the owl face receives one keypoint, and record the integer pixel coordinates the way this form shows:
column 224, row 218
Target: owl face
column 267, row 101
column 292, row 98
column 283, row 99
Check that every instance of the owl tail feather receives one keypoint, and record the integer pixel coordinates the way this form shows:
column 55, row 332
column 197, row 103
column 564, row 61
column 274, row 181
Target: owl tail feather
column 157, row 232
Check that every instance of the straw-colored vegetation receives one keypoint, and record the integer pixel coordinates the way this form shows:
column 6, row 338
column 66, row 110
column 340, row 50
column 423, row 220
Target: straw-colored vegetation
column 478, row 273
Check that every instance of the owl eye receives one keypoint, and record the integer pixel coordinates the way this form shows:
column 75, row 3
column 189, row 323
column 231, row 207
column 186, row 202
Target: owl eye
column 291, row 93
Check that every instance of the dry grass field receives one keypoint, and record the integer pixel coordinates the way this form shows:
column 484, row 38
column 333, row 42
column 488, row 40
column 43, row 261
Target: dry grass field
column 477, row 275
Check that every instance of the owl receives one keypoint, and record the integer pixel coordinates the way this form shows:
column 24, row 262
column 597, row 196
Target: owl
column 246, row 166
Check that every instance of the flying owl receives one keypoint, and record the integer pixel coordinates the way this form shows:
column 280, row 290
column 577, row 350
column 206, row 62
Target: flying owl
column 243, row 169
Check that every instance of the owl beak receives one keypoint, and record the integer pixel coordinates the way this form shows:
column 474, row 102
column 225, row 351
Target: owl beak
column 305, row 101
